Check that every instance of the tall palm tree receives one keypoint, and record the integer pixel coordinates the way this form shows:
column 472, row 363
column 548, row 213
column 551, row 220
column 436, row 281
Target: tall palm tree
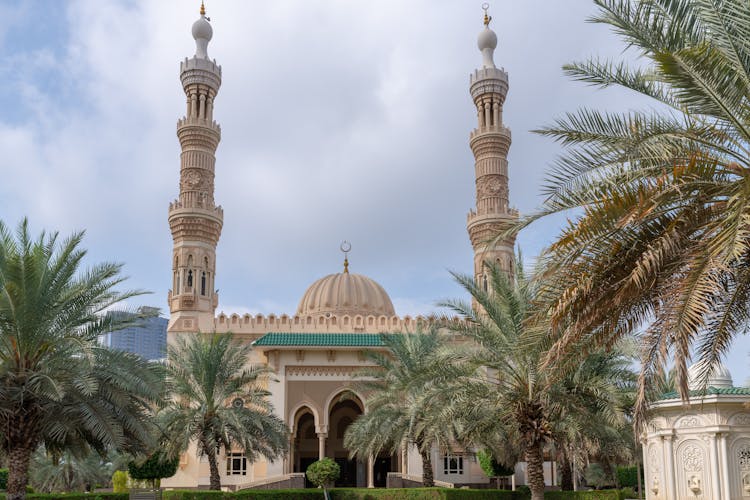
column 496, row 387
column 399, row 409
column 58, row 387
column 219, row 401
column 661, row 198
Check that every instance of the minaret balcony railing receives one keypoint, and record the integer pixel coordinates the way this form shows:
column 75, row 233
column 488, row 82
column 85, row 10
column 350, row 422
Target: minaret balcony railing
column 177, row 208
column 202, row 123
column 200, row 71
column 491, row 130
column 472, row 219
column 488, row 81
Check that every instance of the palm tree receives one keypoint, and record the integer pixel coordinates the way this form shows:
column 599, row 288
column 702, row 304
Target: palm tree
column 219, row 401
column 496, row 387
column 64, row 473
column 399, row 411
column 58, row 387
column 661, row 198
column 585, row 433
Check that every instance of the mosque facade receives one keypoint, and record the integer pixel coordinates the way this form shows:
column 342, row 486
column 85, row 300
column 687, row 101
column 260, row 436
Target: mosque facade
column 315, row 352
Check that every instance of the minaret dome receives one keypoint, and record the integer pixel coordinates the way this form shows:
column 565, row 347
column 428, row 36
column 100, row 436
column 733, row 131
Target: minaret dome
column 487, row 41
column 202, row 33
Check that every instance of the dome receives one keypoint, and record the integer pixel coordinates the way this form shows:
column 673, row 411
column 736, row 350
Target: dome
column 487, row 39
column 345, row 293
column 202, row 29
column 202, row 33
column 720, row 377
column 487, row 43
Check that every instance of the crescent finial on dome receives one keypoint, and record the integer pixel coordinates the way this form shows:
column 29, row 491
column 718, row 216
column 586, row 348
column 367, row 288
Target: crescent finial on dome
column 203, row 9
column 346, row 248
column 487, row 40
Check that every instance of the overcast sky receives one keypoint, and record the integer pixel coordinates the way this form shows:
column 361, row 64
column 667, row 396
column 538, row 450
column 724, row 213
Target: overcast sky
column 340, row 119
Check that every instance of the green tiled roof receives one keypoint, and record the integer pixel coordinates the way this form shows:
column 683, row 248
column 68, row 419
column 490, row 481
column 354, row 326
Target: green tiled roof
column 710, row 391
column 320, row 340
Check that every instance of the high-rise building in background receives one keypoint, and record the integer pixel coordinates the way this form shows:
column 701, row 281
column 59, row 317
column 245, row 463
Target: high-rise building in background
column 147, row 338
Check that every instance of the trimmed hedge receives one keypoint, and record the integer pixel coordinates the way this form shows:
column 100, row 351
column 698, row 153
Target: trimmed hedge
column 75, row 496
column 305, row 494
column 424, row 494
column 302, row 494
column 193, row 495
column 3, row 479
column 349, row 494
column 583, row 495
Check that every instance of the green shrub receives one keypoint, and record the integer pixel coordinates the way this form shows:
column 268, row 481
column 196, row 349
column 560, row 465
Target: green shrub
column 627, row 477
column 424, row 494
column 193, row 495
column 153, row 468
column 323, row 472
column 626, row 493
column 120, row 481
column 3, row 479
column 308, row 494
column 490, row 466
column 78, row 496
column 524, row 490
column 583, row 495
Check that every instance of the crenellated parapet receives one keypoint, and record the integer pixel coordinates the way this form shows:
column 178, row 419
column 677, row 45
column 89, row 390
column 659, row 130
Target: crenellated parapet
column 260, row 324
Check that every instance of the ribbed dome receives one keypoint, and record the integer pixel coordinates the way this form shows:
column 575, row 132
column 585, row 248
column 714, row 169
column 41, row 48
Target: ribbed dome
column 345, row 293
column 720, row 377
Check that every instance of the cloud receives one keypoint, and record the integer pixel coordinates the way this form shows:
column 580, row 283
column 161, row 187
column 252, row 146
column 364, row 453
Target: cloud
column 340, row 120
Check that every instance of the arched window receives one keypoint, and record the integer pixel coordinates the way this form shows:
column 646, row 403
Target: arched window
column 190, row 279
column 203, row 283
column 485, row 286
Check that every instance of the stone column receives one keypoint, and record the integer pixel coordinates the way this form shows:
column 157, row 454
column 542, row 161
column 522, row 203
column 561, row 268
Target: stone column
column 724, row 461
column 670, row 487
column 370, row 473
column 513, row 481
column 322, row 445
column 713, row 454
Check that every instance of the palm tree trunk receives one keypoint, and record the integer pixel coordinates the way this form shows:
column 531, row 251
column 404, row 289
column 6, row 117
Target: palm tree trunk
column 566, row 471
column 18, row 472
column 535, row 470
column 428, row 477
column 213, row 465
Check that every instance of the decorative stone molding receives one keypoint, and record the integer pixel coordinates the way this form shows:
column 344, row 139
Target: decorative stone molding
column 322, row 371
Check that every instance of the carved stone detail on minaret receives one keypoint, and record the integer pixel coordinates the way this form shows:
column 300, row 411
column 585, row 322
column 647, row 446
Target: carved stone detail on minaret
column 194, row 219
column 490, row 143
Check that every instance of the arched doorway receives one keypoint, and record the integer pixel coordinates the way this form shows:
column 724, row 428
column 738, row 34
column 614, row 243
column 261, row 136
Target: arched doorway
column 304, row 441
column 342, row 413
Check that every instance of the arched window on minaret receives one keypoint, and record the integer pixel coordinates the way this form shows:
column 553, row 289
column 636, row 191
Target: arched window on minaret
column 203, row 283
column 485, row 286
column 190, row 279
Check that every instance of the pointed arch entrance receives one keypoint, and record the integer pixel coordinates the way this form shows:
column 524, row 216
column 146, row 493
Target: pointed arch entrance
column 342, row 412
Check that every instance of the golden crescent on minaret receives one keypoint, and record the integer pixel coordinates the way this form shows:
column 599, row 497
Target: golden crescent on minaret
column 346, row 248
column 203, row 9
column 487, row 18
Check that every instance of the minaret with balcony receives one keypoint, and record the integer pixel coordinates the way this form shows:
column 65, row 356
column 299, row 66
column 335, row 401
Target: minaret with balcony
column 490, row 142
column 194, row 218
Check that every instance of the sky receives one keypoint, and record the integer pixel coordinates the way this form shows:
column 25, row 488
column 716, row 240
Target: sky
column 341, row 120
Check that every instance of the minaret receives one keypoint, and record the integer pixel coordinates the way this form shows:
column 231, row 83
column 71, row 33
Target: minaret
column 194, row 218
column 490, row 142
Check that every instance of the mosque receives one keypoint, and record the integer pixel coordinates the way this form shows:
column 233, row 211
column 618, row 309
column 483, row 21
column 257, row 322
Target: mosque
column 314, row 352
